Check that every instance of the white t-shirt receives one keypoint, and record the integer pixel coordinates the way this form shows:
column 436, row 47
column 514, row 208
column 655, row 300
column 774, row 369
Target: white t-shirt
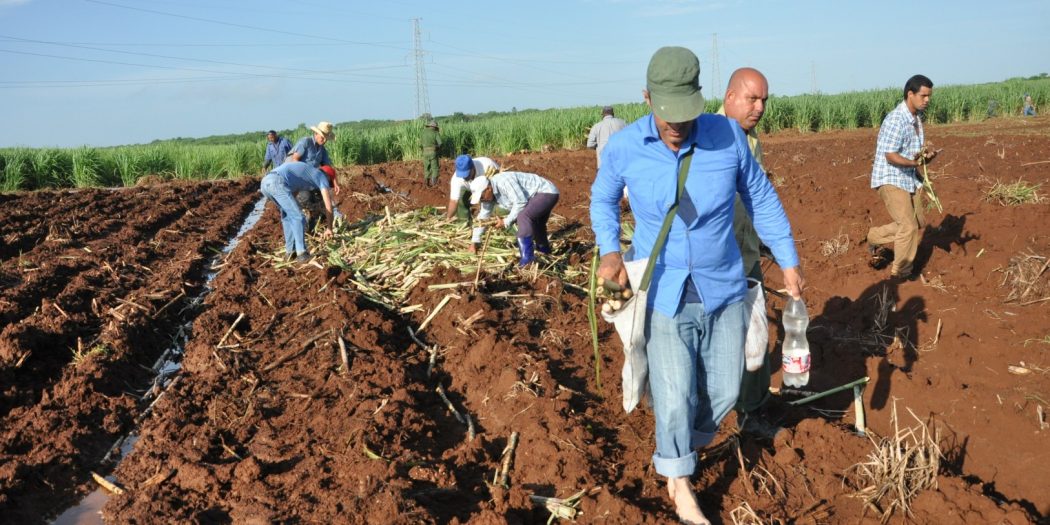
column 458, row 184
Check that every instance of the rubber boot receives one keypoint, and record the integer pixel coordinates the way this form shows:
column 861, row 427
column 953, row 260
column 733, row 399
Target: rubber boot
column 544, row 248
column 528, row 253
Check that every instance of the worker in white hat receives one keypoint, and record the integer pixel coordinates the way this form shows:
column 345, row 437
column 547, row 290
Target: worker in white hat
column 529, row 198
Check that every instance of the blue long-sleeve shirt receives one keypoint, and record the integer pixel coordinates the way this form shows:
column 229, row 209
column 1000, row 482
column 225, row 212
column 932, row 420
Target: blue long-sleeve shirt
column 276, row 152
column 700, row 244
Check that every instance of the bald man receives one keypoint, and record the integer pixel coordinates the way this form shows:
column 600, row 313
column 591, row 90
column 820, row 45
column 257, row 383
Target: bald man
column 745, row 102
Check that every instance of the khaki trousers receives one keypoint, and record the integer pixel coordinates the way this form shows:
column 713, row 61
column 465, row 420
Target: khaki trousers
column 906, row 211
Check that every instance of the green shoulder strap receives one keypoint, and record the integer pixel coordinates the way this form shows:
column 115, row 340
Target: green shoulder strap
column 661, row 238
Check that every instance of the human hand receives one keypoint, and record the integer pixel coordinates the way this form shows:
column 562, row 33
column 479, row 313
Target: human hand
column 794, row 281
column 926, row 154
column 612, row 276
column 611, row 268
column 327, row 233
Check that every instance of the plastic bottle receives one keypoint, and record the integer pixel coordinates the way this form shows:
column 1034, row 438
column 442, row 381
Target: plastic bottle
column 795, row 364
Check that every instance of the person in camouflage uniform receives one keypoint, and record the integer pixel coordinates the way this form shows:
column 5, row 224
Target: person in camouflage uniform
column 431, row 141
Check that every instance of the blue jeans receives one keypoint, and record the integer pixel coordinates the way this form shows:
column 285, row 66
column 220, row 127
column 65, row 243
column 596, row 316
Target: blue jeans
column 293, row 222
column 696, row 361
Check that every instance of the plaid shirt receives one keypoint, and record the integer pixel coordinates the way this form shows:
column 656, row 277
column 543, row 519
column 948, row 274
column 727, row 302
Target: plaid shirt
column 901, row 132
column 512, row 190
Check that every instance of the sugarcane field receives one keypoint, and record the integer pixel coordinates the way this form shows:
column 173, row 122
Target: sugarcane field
column 163, row 359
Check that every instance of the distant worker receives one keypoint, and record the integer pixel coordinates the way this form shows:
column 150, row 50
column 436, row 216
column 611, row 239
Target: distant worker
column 280, row 186
column 431, row 141
column 1029, row 106
column 459, row 197
column 899, row 152
column 277, row 149
column 604, row 129
column 745, row 102
column 529, row 198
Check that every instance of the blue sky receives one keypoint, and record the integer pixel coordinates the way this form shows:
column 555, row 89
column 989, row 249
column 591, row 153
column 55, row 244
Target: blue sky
column 107, row 72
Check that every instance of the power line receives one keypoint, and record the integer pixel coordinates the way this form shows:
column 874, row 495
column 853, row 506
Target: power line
column 499, row 59
column 169, row 57
column 214, row 44
column 269, row 30
column 526, row 60
column 200, row 70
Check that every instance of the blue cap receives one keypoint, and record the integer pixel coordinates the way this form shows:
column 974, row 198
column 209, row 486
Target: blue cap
column 463, row 166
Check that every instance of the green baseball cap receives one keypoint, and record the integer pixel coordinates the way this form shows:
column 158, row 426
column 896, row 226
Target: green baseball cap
column 673, row 82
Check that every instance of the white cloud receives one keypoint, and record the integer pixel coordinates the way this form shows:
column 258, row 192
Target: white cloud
column 12, row 3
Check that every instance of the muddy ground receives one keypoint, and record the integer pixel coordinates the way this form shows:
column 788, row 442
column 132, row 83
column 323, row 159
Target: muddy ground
column 269, row 427
column 94, row 284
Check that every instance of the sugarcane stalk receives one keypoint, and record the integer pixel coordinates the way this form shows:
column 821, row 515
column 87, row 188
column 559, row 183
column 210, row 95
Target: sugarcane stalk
column 928, row 185
column 107, row 484
column 593, row 319
column 426, row 322
column 342, row 355
column 240, row 316
column 508, row 459
column 858, row 407
column 481, row 258
column 432, row 361
column 441, row 392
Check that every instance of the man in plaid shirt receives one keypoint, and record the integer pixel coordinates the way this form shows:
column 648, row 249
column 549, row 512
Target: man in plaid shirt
column 900, row 150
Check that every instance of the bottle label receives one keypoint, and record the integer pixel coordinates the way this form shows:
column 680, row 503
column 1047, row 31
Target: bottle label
column 798, row 364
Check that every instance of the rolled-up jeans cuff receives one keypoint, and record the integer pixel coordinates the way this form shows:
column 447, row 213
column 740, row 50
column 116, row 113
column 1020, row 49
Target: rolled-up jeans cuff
column 675, row 467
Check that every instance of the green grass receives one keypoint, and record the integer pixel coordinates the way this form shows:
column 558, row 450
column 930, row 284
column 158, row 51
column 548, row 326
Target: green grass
column 1015, row 193
column 80, row 355
column 493, row 134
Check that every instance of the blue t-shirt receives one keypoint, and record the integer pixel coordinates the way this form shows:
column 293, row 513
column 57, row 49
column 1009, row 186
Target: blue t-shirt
column 299, row 176
column 311, row 153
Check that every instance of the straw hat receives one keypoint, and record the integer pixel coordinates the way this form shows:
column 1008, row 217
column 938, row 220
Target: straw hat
column 324, row 128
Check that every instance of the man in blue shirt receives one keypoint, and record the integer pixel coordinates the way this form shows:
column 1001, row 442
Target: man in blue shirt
column 280, row 186
column 277, row 149
column 900, row 150
column 696, row 323
column 311, row 150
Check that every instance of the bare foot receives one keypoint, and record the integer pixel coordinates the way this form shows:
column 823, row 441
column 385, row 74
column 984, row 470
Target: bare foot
column 685, row 503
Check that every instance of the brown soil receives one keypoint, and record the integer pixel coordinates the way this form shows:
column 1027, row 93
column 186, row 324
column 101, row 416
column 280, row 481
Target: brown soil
column 83, row 270
column 271, row 428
